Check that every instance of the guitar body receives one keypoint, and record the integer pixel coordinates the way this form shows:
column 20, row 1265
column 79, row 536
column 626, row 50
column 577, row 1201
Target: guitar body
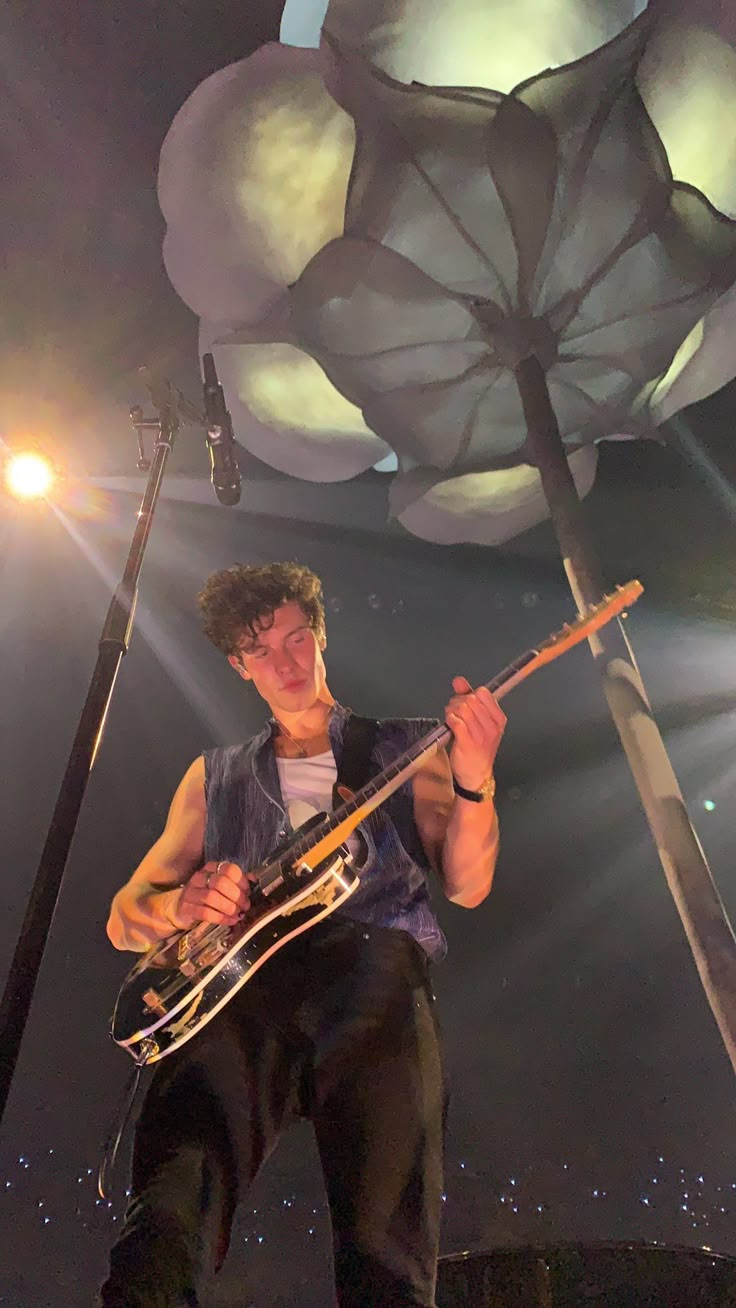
column 179, row 985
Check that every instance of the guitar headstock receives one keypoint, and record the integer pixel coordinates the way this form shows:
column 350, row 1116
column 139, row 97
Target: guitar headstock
column 611, row 606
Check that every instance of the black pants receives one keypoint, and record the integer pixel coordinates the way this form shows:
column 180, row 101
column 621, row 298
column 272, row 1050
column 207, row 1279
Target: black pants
column 339, row 1027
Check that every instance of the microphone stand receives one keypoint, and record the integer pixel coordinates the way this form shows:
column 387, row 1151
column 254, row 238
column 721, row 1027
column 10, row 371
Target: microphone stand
column 172, row 408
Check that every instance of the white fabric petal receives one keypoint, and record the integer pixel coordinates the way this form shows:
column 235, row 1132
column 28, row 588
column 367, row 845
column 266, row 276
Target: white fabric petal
column 252, row 181
column 686, row 79
column 489, row 508
column 703, row 364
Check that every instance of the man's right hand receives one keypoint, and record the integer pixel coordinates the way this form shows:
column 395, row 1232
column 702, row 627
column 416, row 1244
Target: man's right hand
column 218, row 892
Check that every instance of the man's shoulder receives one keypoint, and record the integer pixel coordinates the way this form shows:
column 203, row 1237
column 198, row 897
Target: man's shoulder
column 226, row 758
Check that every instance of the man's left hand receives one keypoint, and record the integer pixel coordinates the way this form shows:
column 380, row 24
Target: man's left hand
column 477, row 724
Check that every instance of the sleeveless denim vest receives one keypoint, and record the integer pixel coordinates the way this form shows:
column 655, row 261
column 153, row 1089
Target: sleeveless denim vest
column 246, row 819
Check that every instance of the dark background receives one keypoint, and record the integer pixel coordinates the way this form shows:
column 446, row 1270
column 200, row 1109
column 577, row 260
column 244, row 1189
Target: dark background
column 591, row 1095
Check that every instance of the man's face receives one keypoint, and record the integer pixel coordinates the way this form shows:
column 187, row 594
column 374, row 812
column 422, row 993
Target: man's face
column 284, row 661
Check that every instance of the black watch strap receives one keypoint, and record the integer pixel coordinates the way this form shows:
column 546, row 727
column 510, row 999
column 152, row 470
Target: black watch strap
column 487, row 791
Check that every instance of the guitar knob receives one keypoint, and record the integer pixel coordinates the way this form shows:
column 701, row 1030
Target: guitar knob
column 147, row 1049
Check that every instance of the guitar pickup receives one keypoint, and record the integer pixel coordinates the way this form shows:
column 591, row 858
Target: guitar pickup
column 270, row 878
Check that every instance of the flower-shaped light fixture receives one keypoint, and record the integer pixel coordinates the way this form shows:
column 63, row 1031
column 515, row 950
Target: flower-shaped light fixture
column 474, row 218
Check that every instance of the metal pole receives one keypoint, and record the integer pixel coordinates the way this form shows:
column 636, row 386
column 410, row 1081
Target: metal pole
column 701, row 910
column 113, row 644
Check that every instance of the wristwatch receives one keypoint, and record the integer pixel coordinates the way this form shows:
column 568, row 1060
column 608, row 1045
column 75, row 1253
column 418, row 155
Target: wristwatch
column 487, row 790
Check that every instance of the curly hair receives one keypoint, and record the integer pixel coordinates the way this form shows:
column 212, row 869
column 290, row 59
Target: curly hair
column 241, row 600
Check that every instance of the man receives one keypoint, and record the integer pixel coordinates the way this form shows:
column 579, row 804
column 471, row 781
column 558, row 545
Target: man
column 339, row 1026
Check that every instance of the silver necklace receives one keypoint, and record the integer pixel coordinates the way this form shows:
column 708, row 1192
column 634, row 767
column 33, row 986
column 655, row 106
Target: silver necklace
column 297, row 743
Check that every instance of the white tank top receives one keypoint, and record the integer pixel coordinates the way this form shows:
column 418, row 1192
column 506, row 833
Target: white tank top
column 306, row 785
column 306, row 788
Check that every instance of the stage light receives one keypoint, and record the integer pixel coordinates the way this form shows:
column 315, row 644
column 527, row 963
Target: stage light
column 29, row 475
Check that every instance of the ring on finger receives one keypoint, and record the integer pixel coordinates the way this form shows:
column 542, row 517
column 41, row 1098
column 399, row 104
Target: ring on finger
column 209, row 875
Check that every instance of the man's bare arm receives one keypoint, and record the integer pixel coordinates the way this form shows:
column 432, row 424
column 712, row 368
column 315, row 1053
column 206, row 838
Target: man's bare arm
column 144, row 910
column 171, row 889
column 460, row 838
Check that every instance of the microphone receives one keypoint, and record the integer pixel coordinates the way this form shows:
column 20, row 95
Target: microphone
column 220, row 438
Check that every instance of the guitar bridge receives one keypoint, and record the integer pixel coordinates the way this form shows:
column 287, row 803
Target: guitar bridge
column 184, row 955
column 196, row 952
column 154, row 1003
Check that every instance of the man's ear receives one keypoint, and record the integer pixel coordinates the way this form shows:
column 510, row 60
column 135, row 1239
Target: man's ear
column 234, row 662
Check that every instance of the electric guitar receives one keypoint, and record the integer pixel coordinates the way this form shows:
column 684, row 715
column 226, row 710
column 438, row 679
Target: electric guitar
column 182, row 982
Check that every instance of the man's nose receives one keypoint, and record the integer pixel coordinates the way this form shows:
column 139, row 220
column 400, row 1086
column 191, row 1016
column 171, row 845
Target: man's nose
column 284, row 660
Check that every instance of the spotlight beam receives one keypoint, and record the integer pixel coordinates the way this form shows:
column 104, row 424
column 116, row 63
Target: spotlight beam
column 695, row 454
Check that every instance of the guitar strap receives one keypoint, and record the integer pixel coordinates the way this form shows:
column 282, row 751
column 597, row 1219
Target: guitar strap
column 354, row 768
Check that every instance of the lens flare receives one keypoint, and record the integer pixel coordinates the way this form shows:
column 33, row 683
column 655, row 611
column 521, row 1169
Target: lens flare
column 29, row 476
